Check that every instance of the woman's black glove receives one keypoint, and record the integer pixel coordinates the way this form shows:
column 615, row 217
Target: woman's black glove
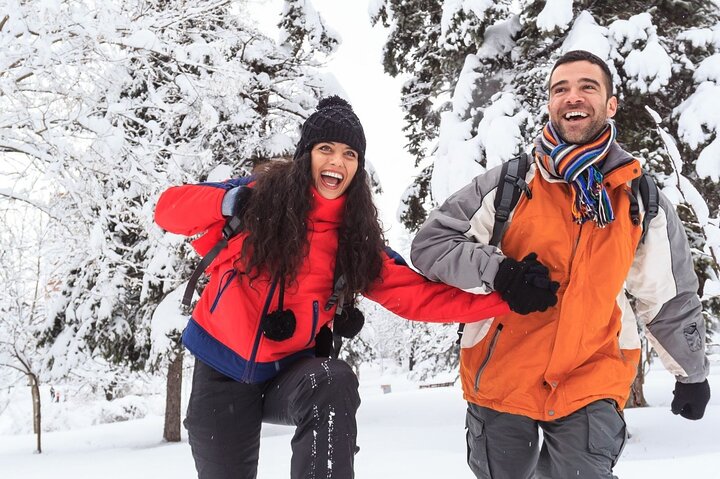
column 348, row 323
column 690, row 399
column 324, row 343
column 526, row 285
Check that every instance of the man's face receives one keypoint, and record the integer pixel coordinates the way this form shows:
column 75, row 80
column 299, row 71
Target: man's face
column 579, row 105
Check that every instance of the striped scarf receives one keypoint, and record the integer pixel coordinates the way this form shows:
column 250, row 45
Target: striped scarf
column 575, row 165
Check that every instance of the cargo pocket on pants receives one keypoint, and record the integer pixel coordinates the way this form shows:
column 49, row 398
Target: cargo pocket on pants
column 477, row 446
column 607, row 432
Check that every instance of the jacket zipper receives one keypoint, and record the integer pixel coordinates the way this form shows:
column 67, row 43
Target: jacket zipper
column 491, row 349
column 223, row 287
column 315, row 314
column 574, row 250
column 250, row 368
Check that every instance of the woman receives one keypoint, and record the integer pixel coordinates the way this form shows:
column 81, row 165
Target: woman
column 305, row 224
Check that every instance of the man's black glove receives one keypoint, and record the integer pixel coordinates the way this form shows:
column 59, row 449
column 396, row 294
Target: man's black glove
column 526, row 285
column 690, row 399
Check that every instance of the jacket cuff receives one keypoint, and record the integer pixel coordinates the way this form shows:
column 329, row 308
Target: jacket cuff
column 490, row 271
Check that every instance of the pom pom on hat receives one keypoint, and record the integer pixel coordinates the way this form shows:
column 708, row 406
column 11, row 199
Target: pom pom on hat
column 331, row 101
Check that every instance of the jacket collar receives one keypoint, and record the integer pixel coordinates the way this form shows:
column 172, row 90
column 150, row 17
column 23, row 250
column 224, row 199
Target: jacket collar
column 325, row 214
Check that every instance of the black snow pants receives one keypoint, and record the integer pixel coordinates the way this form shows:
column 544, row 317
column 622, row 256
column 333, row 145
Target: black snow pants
column 319, row 396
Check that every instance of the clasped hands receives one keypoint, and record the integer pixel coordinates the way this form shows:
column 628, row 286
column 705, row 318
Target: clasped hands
column 526, row 285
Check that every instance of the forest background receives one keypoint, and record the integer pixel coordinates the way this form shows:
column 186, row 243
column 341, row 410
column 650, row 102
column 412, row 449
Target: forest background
column 103, row 105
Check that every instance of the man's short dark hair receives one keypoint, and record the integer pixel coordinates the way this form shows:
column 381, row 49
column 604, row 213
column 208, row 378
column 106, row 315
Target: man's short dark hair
column 583, row 55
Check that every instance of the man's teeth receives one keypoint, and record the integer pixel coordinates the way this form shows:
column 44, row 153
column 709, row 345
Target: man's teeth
column 574, row 114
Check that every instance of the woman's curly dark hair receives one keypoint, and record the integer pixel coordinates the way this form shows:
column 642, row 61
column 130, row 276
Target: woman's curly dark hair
column 276, row 221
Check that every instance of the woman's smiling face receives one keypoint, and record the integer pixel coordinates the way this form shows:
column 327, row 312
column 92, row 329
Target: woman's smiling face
column 333, row 166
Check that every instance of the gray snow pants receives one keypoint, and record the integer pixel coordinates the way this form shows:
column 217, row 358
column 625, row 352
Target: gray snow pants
column 583, row 445
column 319, row 396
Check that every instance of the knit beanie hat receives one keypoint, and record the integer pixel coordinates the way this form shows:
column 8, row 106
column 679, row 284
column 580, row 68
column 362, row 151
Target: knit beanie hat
column 333, row 120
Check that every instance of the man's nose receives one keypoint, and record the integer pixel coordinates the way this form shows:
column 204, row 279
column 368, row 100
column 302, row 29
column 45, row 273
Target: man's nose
column 574, row 96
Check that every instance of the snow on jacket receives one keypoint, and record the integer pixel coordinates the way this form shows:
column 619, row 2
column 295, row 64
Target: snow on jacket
column 224, row 329
column 548, row 365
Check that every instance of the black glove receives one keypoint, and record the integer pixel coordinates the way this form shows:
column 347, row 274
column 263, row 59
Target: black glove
column 690, row 399
column 324, row 343
column 526, row 285
column 349, row 323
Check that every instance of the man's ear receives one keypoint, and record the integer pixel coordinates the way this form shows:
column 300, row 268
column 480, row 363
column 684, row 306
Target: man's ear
column 611, row 107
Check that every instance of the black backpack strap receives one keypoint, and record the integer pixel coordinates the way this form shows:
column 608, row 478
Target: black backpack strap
column 190, row 288
column 510, row 187
column 513, row 175
column 644, row 187
column 651, row 200
column 634, row 206
column 233, row 226
column 337, row 297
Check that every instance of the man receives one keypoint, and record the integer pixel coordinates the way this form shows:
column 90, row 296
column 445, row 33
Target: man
column 567, row 370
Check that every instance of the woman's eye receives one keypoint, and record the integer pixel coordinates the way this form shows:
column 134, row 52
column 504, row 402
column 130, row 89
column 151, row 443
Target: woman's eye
column 351, row 154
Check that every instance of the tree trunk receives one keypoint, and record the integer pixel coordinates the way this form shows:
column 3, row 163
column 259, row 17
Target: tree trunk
column 35, row 390
column 637, row 396
column 173, row 398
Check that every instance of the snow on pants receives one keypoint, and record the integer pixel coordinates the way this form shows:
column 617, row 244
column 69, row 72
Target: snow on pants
column 585, row 444
column 319, row 396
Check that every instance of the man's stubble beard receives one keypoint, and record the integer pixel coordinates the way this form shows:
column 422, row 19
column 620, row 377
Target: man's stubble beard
column 590, row 133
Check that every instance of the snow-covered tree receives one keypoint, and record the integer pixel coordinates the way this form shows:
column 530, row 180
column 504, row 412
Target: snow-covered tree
column 116, row 101
column 477, row 91
column 22, row 302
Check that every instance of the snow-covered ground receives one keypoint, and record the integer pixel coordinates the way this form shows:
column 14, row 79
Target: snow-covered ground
column 408, row 432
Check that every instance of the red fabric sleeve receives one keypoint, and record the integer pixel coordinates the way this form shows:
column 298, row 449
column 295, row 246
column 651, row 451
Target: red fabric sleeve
column 189, row 209
column 412, row 296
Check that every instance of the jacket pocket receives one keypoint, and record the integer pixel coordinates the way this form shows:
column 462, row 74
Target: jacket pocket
column 491, row 350
column 692, row 336
column 477, row 457
column 315, row 315
column 225, row 281
column 607, row 432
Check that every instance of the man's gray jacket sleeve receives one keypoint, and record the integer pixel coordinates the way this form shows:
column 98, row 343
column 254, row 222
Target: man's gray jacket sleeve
column 453, row 244
column 662, row 279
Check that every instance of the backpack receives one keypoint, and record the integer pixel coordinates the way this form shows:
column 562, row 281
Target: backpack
column 512, row 185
